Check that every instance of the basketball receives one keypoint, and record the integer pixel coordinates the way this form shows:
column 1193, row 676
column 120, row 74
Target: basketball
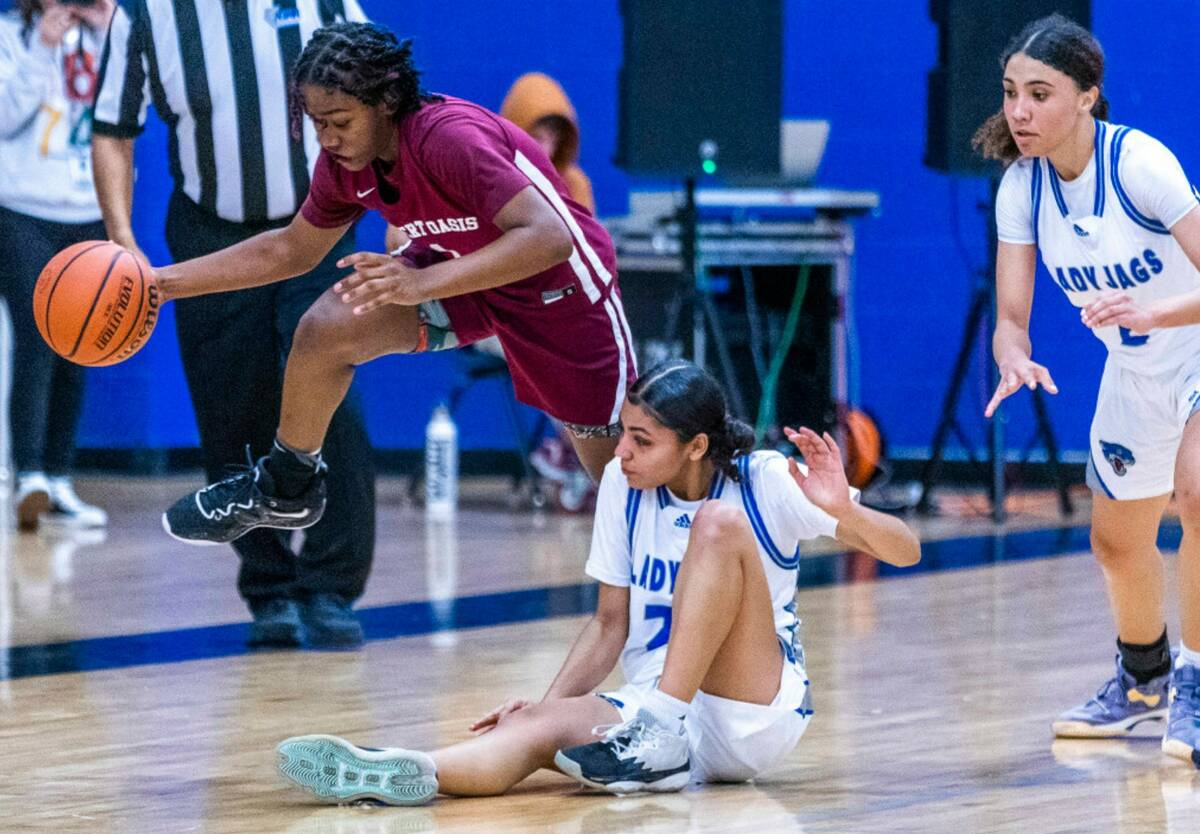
column 95, row 303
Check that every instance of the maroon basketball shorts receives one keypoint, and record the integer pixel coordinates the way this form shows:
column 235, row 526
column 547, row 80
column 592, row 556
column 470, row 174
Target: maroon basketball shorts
column 569, row 356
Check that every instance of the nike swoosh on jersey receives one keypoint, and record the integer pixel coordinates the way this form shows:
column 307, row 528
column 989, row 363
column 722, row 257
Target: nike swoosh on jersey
column 362, row 194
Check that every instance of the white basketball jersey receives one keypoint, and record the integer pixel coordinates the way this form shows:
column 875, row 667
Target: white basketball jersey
column 1108, row 229
column 640, row 537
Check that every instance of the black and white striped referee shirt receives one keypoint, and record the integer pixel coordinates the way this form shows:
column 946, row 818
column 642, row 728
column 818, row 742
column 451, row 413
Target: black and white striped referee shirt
column 216, row 72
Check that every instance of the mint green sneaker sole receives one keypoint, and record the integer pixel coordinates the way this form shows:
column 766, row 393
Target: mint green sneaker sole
column 337, row 772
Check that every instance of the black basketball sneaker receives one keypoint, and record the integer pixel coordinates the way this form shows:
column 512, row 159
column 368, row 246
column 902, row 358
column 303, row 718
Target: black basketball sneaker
column 223, row 511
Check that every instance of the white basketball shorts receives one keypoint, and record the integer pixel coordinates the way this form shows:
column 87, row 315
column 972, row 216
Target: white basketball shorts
column 732, row 741
column 1137, row 428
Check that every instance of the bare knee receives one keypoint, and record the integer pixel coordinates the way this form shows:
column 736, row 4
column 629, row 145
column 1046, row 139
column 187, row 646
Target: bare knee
column 1109, row 546
column 719, row 530
column 1187, row 500
column 326, row 330
column 543, row 727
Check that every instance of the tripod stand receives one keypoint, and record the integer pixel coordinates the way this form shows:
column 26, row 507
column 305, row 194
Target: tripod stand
column 691, row 293
column 982, row 313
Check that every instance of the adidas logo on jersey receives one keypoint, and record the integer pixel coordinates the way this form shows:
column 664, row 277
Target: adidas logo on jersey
column 684, row 522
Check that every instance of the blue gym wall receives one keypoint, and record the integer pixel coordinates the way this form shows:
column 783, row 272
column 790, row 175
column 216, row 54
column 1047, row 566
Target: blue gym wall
column 862, row 66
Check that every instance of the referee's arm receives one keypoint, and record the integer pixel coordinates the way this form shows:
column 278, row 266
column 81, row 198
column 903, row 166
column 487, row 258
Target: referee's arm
column 122, row 94
column 112, row 166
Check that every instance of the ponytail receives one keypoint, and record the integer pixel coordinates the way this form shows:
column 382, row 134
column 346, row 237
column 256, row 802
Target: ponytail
column 724, row 445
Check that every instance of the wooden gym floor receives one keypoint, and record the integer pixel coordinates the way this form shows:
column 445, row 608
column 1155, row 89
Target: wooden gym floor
column 129, row 704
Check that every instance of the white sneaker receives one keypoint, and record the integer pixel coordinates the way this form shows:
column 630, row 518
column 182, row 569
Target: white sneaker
column 67, row 508
column 638, row 755
column 32, row 498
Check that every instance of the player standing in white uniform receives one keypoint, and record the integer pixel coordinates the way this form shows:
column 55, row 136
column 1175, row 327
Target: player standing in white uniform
column 695, row 546
column 1114, row 218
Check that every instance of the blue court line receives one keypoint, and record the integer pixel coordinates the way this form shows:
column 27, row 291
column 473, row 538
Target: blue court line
column 409, row 619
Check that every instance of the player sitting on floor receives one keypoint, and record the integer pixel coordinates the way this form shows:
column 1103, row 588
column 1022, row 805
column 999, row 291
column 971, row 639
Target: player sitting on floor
column 695, row 546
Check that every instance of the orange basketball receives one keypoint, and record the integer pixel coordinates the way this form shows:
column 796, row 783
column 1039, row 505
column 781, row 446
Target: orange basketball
column 95, row 303
column 864, row 447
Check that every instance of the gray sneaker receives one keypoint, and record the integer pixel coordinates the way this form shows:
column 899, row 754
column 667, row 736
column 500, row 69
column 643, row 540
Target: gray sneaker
column 639, row 755
column 337, row 772
column 1183, row 726
column 1122, row 708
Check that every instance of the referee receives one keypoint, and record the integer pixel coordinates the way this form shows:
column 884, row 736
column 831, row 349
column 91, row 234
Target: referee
column 217, row 74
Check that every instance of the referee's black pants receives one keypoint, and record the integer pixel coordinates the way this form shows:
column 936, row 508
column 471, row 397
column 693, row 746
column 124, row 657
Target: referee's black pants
column 234, row 347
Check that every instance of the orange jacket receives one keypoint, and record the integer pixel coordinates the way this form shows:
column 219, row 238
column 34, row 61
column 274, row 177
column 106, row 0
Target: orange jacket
column 534, row 96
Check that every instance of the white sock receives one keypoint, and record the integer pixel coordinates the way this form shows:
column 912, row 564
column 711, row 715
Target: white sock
column 1188, row 657
column 668, row 710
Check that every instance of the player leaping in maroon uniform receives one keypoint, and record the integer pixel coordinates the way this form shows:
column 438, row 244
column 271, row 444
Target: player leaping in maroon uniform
column 496, row 246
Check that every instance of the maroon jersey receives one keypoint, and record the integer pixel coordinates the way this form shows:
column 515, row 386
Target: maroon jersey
column 563, row 330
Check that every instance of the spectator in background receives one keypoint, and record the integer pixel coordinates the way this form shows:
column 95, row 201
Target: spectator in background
column 49, row 52
column 218, row 72
column 537, row 104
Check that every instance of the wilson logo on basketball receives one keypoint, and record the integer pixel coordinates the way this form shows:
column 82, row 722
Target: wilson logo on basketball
column 147, row 326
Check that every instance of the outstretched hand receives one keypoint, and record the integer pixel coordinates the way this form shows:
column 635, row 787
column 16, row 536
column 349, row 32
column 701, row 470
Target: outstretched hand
column 493, row 718
column 825, row 484
column 1013, row 375
column 379, row 279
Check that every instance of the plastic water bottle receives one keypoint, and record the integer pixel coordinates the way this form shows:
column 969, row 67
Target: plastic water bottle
column 441, row 578
column 441, row 465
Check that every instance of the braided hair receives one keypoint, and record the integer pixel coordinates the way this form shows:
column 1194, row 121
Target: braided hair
column 362, row 60
column 1056, row 42
column 686, row 399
